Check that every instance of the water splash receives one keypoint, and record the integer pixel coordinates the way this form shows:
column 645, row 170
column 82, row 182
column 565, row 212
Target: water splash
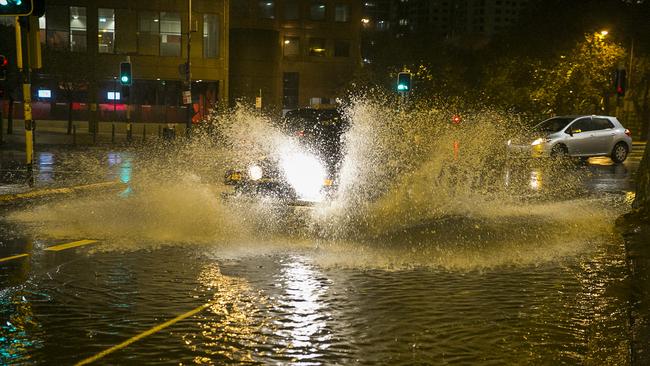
column 415, row 189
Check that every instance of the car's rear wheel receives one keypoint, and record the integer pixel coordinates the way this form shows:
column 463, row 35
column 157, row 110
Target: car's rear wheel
column 619, row 153
column 559, row 151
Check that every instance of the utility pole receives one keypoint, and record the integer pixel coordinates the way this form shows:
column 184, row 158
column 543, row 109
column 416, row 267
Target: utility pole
column 27, row 102
column 188, row 71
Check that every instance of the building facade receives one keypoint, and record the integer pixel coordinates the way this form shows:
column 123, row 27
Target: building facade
column 294, row 53
column 462, row 22
column 83, row 43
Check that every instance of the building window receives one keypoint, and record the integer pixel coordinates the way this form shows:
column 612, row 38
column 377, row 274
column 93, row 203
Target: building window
column 148, row 33
column 342, row 13
column 58, row 28
column 317, row 47
column 77, row 29
column 291, row 10
column 106, row 30
column 210, row 36
column 317, row 10
column 291, row 46
column 42, row 29
column 170, row 34
column 341, row 48
column 290, row 91
column 266, row 9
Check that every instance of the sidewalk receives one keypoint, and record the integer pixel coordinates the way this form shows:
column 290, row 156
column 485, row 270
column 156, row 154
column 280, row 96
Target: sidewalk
column 55, row 133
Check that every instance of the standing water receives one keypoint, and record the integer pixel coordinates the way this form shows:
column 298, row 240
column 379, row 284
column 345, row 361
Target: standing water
column 438, row 248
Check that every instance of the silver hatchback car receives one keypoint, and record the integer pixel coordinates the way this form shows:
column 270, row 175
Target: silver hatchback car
column 580, row 136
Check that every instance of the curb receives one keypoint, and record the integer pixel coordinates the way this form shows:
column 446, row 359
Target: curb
column 11, row 198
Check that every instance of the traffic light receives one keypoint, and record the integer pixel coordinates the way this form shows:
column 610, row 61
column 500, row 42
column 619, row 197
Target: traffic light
column 620, row 82
column 404, row 82
column 4, row 63
column 125, row 72
column 16, row 7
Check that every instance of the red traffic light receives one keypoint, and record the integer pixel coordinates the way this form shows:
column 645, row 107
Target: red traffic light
column 3, row 61
column 456, row 119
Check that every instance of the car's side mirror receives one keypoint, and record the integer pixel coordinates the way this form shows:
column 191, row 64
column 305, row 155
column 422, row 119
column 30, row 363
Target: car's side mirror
column 569, row 132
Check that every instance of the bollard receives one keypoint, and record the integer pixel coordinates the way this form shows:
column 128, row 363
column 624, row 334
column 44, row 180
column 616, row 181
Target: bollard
column 129, row 132
column 113, row 133
column 74, row 134
column 144, row 132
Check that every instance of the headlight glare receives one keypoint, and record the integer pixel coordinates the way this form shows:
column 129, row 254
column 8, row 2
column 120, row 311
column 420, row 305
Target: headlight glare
column 255, row 172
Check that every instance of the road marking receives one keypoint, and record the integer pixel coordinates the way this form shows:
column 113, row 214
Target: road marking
column 144, row 334
column 5, row 198
column 74, row 244
column 6, row 259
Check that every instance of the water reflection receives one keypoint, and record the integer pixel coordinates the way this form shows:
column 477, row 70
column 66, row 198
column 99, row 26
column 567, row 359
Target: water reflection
column 45, row 167
column 230, row 330
column 305, row 327
column 121, row 165
column 18, row 327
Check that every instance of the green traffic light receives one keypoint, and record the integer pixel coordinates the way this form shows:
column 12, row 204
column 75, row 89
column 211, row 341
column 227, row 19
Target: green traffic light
column 402, row 87
column 124, row 79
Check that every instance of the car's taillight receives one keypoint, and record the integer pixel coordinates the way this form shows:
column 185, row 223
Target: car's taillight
column 627, row 132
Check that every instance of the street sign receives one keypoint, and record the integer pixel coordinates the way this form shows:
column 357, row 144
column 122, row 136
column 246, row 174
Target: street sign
column 187, row 97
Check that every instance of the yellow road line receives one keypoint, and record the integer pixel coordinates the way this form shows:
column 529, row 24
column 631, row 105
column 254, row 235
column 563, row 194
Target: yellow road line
column 74, row 244
column 144, row 334
column 13, row 257
column 55, row 191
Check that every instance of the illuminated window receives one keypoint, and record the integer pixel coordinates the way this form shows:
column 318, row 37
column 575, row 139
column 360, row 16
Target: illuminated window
column 210, row 36
column 45, row 93
column 77, row 29
column 317, row 47
column 291, row 46
column 342, row 13
column 317, row 10
column 106, row 30
column 266, row 9
column 42, row 29
column 113, row 95
column 148, row 33
column 170, row 34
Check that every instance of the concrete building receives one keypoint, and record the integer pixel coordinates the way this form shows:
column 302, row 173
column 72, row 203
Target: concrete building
column 294, row 53
column 83, row 43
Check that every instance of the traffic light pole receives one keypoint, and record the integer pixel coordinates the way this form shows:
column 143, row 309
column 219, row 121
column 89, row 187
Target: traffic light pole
column 27, row 103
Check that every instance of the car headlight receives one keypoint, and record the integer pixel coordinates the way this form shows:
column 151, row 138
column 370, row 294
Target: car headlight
column 305, row 173
column 539, row 141
column 255, row 172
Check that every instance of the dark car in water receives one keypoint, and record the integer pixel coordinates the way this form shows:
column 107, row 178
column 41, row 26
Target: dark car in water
column 305, row 171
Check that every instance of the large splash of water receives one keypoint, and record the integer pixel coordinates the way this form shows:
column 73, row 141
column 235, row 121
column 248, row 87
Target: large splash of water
column 414, row 189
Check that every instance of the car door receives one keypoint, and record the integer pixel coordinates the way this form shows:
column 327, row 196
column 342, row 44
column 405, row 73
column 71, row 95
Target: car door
column 602, row 136
column 578, row 140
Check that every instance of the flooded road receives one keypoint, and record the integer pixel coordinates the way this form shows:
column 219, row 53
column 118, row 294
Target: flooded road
column 509, row 264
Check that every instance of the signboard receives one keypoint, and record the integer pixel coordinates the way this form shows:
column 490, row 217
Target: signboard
column 187, row 97
column 258, row 102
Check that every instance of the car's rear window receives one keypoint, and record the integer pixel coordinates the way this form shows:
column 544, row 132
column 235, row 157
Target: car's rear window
column 602, row 123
